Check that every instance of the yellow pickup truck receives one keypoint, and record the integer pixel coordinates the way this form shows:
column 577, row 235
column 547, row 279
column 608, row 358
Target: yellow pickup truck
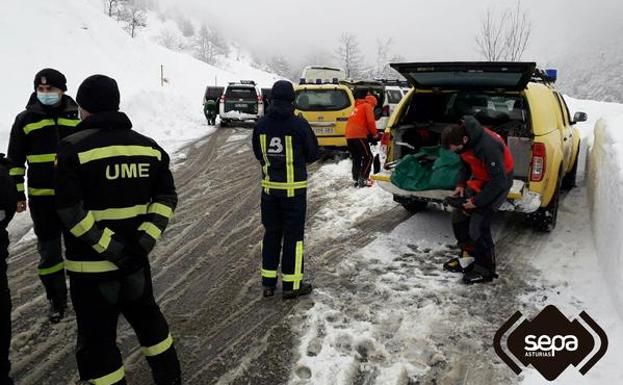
column 517, row 101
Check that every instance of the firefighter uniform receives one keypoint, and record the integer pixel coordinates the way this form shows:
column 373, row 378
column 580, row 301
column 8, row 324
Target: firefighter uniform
column 284, row 144
column 115, row 196
column 34, row 141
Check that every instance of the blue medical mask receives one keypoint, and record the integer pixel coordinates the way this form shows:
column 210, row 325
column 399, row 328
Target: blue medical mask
column 48, row 98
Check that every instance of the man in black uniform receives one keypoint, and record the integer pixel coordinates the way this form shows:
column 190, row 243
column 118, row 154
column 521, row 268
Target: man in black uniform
column 49, row 117
column 8, row 201
column 115, row 195
column 284, row 144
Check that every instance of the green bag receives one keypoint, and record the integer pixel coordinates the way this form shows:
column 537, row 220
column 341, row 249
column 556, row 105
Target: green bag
column 419, row 172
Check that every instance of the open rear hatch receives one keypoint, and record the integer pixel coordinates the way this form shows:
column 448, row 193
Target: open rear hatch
column 507, row 76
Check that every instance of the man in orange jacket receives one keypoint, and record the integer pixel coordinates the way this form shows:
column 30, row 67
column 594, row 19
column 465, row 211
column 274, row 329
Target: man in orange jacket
column 361, row 125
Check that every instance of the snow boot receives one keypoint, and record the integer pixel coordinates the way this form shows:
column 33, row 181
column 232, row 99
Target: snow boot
column 56, row 312
column 366, row 183
column 478, row 274
column 461, row 264
column 305, row 289
column 268, row 291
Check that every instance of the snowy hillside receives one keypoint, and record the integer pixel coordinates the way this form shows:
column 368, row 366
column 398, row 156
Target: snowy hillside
column 77, row 38
column 598, row 75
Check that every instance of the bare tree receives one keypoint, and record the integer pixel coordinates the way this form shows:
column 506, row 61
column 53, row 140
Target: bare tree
column 186, row 26
column 518, row 33
column 111, row 6
column 504, row 35
column 349, row 55
column 210, row 45
column 133, row 15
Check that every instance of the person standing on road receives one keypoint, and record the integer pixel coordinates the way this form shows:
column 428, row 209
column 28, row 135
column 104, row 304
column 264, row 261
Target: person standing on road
column 284, row 143
column 484, row 183
column 115, row 195
column 361, row 126
column 50, row 116
column 8, row 203
column 209, row 108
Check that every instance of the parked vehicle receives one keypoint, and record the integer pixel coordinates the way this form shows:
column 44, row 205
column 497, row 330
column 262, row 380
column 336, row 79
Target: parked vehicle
column 241, row 101
column 513, row 99
column 320, row 74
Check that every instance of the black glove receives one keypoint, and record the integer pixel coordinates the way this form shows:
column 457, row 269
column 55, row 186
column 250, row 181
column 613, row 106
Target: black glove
column 131, row 259
column 456, row 202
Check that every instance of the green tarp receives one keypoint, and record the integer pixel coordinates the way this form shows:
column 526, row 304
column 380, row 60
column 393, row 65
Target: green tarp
column 433, row 168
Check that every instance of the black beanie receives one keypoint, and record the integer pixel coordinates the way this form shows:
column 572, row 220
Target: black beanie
column 51, row 77
column 98, row 93
column 283, row 90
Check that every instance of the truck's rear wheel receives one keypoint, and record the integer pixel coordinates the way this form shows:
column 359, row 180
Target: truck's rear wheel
column 545, row 218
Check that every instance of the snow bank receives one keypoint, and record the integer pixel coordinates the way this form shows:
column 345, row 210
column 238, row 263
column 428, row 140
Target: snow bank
column 77, row 38
column 605, row 184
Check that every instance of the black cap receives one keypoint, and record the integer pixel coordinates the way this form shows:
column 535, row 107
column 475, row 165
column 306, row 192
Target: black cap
column 98, row 93
column 283, row 90
column 51, row 77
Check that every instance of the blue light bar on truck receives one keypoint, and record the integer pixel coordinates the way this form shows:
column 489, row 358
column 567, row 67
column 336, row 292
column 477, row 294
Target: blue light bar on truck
column 552, row 74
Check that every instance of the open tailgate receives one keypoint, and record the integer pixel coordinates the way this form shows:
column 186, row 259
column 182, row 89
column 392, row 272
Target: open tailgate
column 509, row 76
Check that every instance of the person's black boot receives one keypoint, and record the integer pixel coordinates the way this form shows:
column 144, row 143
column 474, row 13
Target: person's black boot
column 56, row 311
column 268, row 291
column 305, row 289
column 478, row 274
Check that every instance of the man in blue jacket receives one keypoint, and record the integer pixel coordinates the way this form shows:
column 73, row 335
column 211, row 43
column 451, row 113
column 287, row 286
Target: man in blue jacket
column 284, row 144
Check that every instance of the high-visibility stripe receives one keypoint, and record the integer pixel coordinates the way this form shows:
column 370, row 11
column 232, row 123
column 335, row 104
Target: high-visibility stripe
column 269, row 273
column 284, row 186
column 266, row 163
column 17, row 171
column 292, row 277
column 41, row 158
column 51, row 270
column 30, row 127
column 40, row 192
column 289, row 165
column 160, row 209
column 90, row 266
column 116, row 151
column 68, row 122
column 109, row 379
column 119, row 213
column 83, row 226
column 20, row 187
column 104, row 242
column 158, row 348
column 151, row 229
column 298, row 264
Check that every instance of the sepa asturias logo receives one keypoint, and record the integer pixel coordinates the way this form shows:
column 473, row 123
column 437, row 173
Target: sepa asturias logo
column 550, row 343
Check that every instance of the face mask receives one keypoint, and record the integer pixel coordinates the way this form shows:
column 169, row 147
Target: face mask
column 48, row 98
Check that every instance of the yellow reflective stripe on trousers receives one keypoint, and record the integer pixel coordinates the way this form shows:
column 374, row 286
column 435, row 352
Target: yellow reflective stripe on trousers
column 160, row 209
column 51, row 270
column 104, row 242
column 266, row 163
column 90, row 266
column 20, row 187
column 40, row 192
column 38, row 125
column 151, row 229
column 83, row 226
column 17, row 171
column 109, row 379
column 159, row 348
column 41, row 158
column 289, row 165
column 119, row 213
column 284, row 186
column 298, row 264
column 269, row 273
column 116, row 151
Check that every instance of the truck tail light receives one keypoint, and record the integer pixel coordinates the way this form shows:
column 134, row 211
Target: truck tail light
column 539, row 160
